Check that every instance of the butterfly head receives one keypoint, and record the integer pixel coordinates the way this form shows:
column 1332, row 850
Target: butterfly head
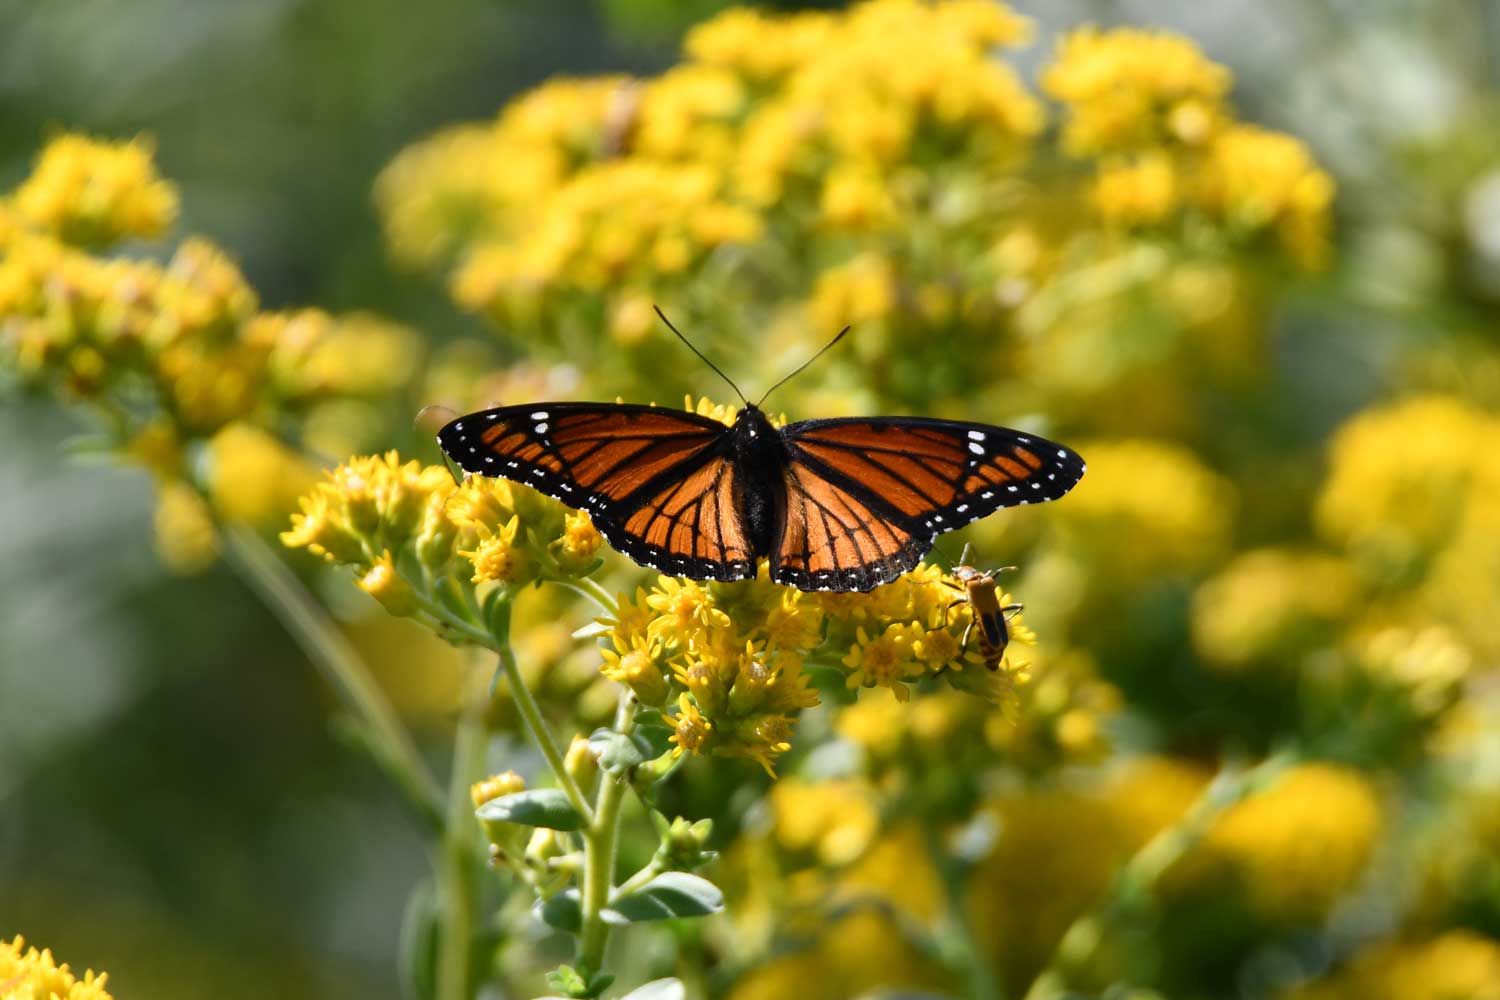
column 751, row 423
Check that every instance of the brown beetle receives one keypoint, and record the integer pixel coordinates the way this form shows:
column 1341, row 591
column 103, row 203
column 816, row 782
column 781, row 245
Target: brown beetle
column 982, row 596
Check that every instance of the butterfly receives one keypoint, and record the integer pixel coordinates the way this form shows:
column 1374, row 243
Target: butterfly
column 982, row 595
column 840, row 504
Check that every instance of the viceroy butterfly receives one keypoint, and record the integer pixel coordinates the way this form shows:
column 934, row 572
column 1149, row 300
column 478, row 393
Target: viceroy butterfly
column 839, row 504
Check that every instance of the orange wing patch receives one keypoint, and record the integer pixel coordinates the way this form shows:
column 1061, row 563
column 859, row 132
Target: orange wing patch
column 694, row 517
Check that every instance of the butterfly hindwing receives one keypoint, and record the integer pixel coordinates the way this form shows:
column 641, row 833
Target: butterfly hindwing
column 888, row 486
column 655, row 480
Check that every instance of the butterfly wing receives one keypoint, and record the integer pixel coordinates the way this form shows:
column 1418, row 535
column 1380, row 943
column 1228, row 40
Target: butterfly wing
column 657, row 482
column 866, row 497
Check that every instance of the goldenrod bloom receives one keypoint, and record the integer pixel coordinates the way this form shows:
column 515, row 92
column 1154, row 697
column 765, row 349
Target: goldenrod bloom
column 30, row 974
column 95, row 193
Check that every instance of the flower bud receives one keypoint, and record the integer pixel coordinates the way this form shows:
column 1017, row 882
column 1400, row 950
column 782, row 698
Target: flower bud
column 383, row 583
column 580, row 762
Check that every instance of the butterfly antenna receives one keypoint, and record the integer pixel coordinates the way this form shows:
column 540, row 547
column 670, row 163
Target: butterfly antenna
column 804, row 364
column 705, row 360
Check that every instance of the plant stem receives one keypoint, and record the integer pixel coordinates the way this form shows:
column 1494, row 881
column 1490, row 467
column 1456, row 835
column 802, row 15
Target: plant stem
column 531, row 714
column 458, row 849
column 600, row 841
column 1134, row 882
column 590, row 589
column 341, row 665
column 969, row 959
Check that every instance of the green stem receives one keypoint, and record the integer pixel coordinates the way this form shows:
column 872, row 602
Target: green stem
column 458, row 850
column 590, row 589
column 341, row 665
column 531, row 713
column 600, row 841
column 1135, row 881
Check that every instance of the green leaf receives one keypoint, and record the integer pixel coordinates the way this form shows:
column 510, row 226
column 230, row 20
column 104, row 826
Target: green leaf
column 671, row 894
column 655, row 737
column 617, row 752
column 658, row 989
column 547, row 807
column 561, row 911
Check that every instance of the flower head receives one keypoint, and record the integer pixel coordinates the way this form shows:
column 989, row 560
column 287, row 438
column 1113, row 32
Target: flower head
column 29, row 973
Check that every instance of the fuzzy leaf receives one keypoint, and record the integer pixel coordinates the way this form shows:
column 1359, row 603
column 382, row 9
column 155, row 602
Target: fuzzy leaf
column 671, row 894
column 548, row 807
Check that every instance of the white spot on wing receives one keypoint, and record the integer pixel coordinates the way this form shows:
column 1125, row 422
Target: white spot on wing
column 976, row 435
column 976, row 448
column 539, row 415
column 541, row 428
column 961, row 507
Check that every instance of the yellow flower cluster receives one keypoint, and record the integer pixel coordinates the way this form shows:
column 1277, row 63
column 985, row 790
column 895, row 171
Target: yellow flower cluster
column 176, row 354
column 1294, row 848
column 727, row 661
column 94, row 193
column 412, row 534
column 1129, row 90
column 1152, row 110
column 1413, row 494
column 29, row 974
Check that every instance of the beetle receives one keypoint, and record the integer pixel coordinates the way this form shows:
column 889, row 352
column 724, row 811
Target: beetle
column 982, row 595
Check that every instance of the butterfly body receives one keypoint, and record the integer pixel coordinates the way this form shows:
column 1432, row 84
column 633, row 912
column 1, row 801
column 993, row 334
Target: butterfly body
column 838, row 504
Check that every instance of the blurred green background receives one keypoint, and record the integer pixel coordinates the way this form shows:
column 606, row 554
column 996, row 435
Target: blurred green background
column 174, row 805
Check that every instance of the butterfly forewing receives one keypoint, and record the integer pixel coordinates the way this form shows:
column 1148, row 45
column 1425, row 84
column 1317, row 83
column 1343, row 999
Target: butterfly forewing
column 915, row 478
column 656, row 481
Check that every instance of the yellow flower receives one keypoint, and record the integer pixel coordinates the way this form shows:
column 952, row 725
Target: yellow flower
column 693, row 731
column 382, row 582
column 835, row 820
column 632, row 618
column 1143, row 191
column 1453, row 965
column 1394, row 515
column 685, row 611
column 481, row 504
column 1257, row 179
column 859, row 291
column 496, row 785
column 579, row 543
column 638, row 665
column 1145, row 507
column 1299, row 845
column 497, row 558
column 886, row 660
column 794, row 623
column 1270, row 603
column 1129, row 89
column 187, row 540
column 253, row 477
column 94, row 193
column 35, row 975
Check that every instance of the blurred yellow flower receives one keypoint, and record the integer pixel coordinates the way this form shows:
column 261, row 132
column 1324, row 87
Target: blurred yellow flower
column 187, row 540
column 1146, row 507
column 834, row 820
column 254, row 478
column 1257, row 179
column 1296, row 847
column 1142, row 191
column 30, row 974
column 1270, row 603
column 1456, row 965
column 1394, row 510
column 1128, row 89
column 94, row 193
